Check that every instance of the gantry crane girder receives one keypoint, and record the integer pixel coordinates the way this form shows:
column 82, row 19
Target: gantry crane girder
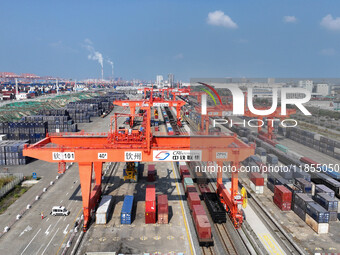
column 91, row 150
column 144, row 104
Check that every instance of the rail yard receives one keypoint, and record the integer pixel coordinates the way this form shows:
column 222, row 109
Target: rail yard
column 143, row 171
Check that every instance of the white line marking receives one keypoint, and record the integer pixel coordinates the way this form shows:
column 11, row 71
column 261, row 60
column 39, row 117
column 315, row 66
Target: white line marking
column 30, row 241
column 66, row 193
column 61, row 201
column 28, row 228
column 65, row 232
column 47, row 219
column 39, row 249
column 49, row 242
column 55, row 224
column 46, row 232
column 72, row 187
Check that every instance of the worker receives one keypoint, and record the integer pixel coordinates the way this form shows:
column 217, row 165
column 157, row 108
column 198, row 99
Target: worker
column 42, row 215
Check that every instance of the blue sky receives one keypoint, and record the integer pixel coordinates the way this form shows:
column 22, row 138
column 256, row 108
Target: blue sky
column 144, row 38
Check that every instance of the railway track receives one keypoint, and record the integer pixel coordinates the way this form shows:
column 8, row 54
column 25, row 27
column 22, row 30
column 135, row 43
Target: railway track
column 208, row 251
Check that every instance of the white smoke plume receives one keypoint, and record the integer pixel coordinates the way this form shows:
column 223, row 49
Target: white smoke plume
column 111, row 63
column 94, row 55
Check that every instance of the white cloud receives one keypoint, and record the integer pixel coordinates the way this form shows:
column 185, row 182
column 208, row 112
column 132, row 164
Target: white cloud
column 179, row 56
column 330, row 23
column 328, row 52
column 218, row 18
column 289, row 19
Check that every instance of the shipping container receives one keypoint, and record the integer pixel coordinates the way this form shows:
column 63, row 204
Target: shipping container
column 193, row 199
column 197, row 210
column 317, row 212
column 104, row 209
column 190, row 188
column 187, row 181
column 320, row 188
column 304, row 185
column 203, row 188
column 150, row 198
column 299, row 173
column 299, row 212
column 282, row 194
column 163, row 209
column 327, row 202
column 256, row 178
column 126, row 213
column 203, row 228
column 256, row 189
column 320, row 228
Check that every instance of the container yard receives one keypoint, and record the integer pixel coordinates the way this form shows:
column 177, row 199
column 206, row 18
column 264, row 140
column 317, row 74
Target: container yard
column 138, row 204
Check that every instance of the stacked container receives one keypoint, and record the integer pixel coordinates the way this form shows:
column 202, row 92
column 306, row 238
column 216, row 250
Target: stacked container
column 317, row 218
column 304, row 185
column 329, row 203
column 320, row 188
column 190, row 188
column 150, row 204
column 272, row 159
column 163, row 209
column 126, row 213
column 300, row 204
column 256, row 182
column 282, row 197
column 11, row 153
column 151, row 173
column 203, row 228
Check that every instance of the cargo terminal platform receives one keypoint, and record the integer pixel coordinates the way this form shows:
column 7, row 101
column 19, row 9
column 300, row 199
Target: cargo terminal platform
column 138, row 238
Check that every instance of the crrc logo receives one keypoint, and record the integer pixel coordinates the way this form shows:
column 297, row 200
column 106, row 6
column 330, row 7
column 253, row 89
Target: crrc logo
column 163, row 155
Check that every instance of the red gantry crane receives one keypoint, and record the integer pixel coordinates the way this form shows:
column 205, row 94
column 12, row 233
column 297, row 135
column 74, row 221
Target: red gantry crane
column 91, row 150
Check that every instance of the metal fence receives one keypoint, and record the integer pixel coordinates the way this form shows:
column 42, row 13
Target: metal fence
column 9, row 186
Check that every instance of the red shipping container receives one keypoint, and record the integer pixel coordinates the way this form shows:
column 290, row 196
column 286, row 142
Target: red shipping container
column 191, row 188
column 162, row 204
column 257, row 179
column 204, row 188
column 150, row 217
column 193, row 199
column 151, row 175
column 183, row 171
column 203, row 227
column 284, row 206
column 151, row 167
column 197, row 210
column 282, row 194
column 150, row 198
column 163, row 218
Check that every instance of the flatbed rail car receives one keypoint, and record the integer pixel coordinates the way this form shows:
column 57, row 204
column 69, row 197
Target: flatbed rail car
column 172, row 121
column 215, row 207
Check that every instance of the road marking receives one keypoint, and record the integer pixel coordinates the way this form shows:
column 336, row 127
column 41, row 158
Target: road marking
column 72, row 187
column 61, row 201
column 49, row 242
column 65, row 232
column 27, row 229
column 69, row 231
column 55, row 224
column 66, row 193
column 31, row 241
column 46, row 232
column 184, row 216
column 39, row 249
column 270, row 244
column 47, row 219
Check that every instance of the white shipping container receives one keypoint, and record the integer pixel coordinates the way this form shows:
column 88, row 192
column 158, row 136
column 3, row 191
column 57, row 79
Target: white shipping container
column 256, row 189
column 337, row 150
column 2, row 137
column 182, row 163
column 320, row 228
column 317, row 137
column 103, row 210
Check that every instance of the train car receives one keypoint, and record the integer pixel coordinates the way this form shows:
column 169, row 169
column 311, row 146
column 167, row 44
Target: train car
column 308, row 161
column 200, row 177
column 215, row 207
column 331, row 172
column 204, row 188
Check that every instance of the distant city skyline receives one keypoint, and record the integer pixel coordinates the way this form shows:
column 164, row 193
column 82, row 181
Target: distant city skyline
column 139, row 40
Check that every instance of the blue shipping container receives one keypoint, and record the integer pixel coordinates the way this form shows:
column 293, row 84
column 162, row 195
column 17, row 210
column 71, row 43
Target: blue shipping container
column 126, row 213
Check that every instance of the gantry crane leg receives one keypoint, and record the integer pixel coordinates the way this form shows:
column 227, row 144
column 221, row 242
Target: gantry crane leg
column 90, row 197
